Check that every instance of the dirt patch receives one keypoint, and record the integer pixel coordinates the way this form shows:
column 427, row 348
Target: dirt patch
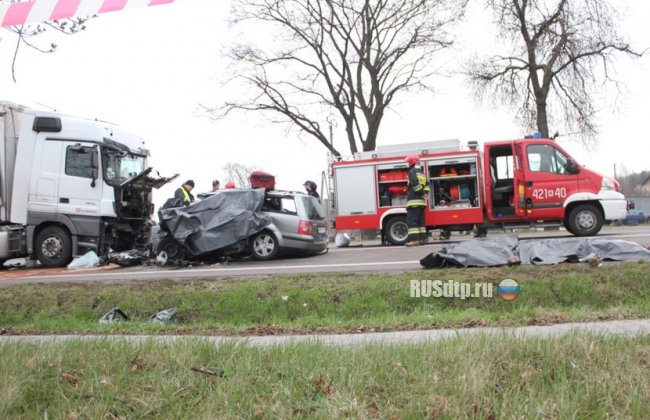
column 20, row 272
column 271, row 330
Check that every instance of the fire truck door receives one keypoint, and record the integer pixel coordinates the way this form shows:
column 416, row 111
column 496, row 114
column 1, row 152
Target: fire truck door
column 547, row 182
column 502, row 176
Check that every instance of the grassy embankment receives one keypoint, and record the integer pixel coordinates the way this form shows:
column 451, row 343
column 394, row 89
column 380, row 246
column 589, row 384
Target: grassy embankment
column 331, row 303
column 475, row 377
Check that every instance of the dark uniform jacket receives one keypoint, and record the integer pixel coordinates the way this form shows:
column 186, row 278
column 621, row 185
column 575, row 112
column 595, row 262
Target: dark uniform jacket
column 180, row 195
column 417, row 187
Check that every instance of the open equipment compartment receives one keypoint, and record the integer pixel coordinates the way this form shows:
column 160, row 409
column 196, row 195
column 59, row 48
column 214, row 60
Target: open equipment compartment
column 392, row 183
column 453, row 183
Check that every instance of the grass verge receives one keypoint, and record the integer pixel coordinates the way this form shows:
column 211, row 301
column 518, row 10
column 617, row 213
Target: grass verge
column 476, row 377
column 331, row 303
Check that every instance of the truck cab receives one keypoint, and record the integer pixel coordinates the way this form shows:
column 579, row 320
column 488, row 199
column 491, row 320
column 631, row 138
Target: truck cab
column 534, row 179
column 72, row 185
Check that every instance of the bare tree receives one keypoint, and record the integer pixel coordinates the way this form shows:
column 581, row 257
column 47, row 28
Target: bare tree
column 238, row 173
column 35, row 36
column 561, row 51
column 338, row 57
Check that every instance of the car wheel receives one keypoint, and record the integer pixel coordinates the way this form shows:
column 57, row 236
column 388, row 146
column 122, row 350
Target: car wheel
column 171, row 248
column 53, row 247
column 397, row 230
column 264, row 246
column 585, row 220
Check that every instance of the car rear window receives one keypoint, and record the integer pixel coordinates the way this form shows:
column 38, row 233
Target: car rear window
column 313, row 208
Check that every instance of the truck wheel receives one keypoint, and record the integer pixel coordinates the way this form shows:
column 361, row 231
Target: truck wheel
column 568, row 228
column 53, row 247
column 264, row 246
column 397, row 230
column 585, row 220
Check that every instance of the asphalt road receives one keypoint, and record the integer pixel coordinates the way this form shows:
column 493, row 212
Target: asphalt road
column 355, row 259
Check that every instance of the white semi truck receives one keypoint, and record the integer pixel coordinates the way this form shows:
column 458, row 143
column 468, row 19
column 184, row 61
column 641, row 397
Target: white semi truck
column 69, row 185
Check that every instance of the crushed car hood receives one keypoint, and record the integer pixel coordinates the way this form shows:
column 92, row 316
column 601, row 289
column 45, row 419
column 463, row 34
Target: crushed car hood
column 216, row 222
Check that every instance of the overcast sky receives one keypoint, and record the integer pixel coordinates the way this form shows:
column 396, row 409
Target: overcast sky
column 148, row 70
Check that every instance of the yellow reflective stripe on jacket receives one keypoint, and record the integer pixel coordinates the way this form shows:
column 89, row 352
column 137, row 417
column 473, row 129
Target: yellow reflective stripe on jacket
column 422, row 183
column 186, row 195
column 416, row 203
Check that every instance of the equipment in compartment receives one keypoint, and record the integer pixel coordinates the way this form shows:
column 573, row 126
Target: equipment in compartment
column 387, row 176
column 454, row 183
column 393, row 183
column 392, row 194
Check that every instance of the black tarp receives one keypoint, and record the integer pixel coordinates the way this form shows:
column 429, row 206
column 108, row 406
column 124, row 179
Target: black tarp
column 503, row 250
column 218, row 221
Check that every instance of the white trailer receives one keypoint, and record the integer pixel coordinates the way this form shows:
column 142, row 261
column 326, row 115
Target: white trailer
column 69, row 185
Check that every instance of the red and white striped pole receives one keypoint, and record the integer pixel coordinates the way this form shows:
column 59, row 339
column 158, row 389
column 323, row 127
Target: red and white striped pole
column 35, row 11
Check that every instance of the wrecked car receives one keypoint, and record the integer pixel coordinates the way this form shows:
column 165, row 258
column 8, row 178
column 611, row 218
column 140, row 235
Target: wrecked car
column 262, row 223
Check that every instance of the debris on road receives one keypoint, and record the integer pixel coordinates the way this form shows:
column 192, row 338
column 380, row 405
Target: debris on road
column 342, row 240
column 129, row 258
column 88, row 260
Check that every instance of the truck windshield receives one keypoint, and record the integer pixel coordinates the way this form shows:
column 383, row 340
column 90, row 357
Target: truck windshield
column 120, row 166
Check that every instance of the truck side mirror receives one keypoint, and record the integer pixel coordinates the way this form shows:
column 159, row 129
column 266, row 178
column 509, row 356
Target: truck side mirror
column 94, row 164
column 571, row 167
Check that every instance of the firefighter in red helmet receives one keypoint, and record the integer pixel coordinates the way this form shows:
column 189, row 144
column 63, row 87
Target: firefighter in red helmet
column 230, row 185
column 417, row 196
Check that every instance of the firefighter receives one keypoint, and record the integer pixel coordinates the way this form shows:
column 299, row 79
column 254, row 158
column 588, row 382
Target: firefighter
column 417, row 196
column 184, row 193
column 230, row 185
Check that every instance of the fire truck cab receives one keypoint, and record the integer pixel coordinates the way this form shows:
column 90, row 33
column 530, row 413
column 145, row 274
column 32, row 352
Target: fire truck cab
column 516, row 183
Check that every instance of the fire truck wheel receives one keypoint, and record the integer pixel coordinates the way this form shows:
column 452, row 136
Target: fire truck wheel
column 568, row 227
column 585, row 220
column 397, row 230
column 53, row 247
column 264, row 246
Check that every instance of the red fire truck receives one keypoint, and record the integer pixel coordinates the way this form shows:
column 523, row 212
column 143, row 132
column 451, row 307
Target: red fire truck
column 516, row 183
